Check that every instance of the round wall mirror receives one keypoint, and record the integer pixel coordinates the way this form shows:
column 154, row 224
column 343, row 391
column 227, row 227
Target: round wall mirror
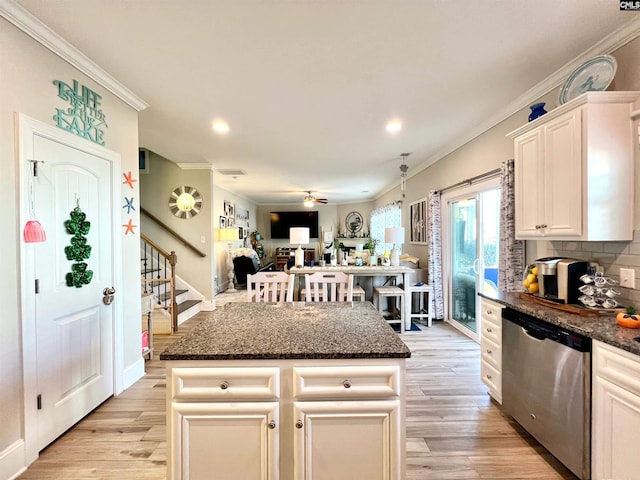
column 353, row 222
column 185, row 202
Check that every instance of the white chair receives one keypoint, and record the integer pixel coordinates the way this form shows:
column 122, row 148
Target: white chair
column 270, row 287
column 328, row 287
column 358, row 294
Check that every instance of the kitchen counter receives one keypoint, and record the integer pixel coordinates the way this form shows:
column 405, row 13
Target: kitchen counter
column 597, row 327
column 245, row 331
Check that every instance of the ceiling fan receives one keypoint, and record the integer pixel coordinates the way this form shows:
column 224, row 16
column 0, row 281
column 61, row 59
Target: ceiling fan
column 309, row 200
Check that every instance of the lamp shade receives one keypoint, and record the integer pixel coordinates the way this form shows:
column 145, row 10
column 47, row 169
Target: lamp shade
column 228, row 234
column 394, row 235
column 299, row 235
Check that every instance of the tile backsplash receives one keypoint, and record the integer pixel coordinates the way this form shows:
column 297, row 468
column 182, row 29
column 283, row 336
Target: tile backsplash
column 612, row 256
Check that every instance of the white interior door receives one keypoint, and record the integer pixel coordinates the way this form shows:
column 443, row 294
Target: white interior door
column 72, row 329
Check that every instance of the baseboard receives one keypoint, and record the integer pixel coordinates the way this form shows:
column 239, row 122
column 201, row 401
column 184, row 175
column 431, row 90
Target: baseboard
column 208, row 305
column 12, row 461
column 133, row 373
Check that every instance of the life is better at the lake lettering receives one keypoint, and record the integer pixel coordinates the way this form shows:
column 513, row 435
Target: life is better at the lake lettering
column 84, row 116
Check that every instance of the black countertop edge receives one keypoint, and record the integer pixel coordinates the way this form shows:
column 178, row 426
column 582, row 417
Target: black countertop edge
column 603, row 328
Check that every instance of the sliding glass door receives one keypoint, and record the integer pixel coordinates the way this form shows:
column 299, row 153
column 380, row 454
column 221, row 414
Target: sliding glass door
column 470, row 244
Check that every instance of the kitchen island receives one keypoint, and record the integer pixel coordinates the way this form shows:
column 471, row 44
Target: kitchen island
column 287, row 391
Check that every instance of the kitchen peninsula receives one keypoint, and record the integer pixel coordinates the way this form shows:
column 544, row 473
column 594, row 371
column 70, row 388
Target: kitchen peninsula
column 287, row 391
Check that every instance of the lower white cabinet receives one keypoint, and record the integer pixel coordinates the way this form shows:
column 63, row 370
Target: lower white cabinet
column 615, row 413
column 491, row 347
column 287, row 419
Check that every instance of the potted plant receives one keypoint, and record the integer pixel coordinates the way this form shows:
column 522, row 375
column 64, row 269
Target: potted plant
column 629, row 318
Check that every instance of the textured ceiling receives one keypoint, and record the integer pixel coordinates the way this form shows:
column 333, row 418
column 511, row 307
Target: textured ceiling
column 307, row 86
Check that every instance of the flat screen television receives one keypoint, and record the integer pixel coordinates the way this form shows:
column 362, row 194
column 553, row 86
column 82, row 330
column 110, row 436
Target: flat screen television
column 282, row 221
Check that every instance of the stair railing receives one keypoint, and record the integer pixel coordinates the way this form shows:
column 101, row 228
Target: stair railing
column 159, row 276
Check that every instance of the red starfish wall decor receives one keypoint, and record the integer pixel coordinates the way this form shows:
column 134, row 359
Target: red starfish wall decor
column 128, row 179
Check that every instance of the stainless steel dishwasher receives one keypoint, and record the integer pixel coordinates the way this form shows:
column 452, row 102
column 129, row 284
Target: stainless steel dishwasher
column 546, row 386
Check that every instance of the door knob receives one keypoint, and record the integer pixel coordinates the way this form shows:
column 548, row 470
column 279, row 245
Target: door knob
column 107, row 295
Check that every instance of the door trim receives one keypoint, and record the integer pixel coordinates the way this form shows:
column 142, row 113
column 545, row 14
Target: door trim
column 445, row 215
column 26, row 128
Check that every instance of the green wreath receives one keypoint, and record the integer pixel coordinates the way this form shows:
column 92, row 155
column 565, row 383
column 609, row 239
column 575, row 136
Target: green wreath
column 78, row 251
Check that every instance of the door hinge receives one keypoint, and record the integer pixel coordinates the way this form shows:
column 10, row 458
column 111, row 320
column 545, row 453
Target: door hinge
column 37, row 282
column 39, row 401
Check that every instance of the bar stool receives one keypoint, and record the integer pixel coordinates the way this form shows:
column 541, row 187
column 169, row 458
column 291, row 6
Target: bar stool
column 357, row 293
column 380, row 293
column 422, row 289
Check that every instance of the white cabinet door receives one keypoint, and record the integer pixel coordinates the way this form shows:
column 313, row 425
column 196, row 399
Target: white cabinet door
column 224, row 440
column 562, row 194
column 616, row 413
column 348, row 440
column 529, row 183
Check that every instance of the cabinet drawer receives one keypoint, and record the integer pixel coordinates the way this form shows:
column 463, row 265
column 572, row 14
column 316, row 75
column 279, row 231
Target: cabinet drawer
column 617, row 366
column 491, row 313
column 492, row 378
column 346, row 383
column 492, row 354
column 492, row 331
column 225, row 384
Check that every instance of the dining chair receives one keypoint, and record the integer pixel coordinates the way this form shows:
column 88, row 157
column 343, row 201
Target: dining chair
column 270, row 287
column 328, row 287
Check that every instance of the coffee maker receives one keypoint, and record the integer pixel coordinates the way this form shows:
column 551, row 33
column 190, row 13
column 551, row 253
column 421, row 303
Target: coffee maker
column 559, row 278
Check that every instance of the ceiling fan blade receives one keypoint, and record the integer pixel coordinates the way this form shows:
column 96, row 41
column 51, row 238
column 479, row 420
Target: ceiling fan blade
column 321, row 200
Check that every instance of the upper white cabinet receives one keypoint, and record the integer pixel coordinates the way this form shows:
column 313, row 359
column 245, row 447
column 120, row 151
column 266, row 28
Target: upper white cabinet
column 574, row 170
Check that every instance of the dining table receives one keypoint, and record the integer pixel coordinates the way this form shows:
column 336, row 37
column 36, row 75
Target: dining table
column 388, row 274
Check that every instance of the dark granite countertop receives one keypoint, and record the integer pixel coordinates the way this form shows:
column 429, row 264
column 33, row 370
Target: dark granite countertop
column 299, row 330
column 598, row 327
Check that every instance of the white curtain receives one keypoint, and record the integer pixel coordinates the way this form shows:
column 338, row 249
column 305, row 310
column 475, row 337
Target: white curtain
column 435, row 254
column 511, row 256
column 388, row 216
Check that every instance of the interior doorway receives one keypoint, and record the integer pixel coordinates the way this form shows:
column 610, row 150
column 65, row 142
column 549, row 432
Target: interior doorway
column 471, row 234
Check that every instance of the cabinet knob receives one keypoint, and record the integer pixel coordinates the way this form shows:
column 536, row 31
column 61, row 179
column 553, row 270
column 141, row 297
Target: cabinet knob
column 533, row 416
column 489, row 312
column 346, row 384
column 271, row 424
column 489, row 376
column 489, row 351
column 489, row 330
column 224, row 385
column 544, row 225
column 299, row 424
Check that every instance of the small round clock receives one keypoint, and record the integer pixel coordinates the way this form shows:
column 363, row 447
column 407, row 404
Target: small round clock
column 185, row 202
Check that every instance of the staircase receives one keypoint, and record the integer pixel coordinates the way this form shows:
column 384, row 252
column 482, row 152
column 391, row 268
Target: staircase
column 173, row 305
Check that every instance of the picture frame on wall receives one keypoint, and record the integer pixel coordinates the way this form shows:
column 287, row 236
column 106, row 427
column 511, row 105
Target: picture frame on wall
column 229, row 210
column 240, row 233
column 419, row 223
column 223, row 222
column 231, row 222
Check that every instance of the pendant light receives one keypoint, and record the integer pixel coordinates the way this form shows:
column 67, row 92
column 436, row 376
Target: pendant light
column 33, row 231
column 403, row 173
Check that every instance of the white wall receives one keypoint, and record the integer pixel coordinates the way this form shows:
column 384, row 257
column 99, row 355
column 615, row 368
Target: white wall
column 27, row 72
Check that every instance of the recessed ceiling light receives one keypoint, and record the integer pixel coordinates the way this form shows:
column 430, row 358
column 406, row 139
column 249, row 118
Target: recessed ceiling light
column 220, row 126
column 393, row 126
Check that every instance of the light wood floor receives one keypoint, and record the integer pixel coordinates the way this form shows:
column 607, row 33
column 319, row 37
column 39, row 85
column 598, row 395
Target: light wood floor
column 454, row 430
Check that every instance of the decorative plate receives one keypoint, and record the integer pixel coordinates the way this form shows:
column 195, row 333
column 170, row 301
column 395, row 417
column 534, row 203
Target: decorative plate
column 593, row 75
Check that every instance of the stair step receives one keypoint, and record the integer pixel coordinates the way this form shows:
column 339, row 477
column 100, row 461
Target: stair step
column 187, row 304
column 167, row 295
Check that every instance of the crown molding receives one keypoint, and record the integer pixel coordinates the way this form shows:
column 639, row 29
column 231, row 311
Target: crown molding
column 607, row 45
column 44, row 35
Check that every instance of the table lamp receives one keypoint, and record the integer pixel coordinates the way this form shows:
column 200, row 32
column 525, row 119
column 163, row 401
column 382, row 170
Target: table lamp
column 299, row 235
column 394, row 235
column 229, row 235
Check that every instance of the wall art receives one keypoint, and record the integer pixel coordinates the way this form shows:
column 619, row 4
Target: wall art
column 418, row 219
